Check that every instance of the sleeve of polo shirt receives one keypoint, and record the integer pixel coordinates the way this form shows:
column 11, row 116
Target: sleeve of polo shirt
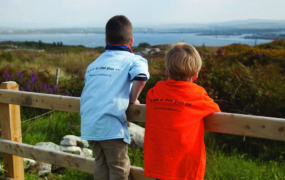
column 138, row 67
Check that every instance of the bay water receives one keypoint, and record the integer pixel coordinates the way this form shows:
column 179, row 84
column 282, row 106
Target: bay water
column 98, row 39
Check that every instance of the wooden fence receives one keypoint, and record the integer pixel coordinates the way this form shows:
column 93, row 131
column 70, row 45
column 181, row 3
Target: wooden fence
column 13, row 149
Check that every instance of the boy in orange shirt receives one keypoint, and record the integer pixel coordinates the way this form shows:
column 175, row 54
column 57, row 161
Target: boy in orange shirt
column 174, row 133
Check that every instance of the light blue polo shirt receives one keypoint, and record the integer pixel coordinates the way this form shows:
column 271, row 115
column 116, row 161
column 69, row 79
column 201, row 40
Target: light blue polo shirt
column 105, row 96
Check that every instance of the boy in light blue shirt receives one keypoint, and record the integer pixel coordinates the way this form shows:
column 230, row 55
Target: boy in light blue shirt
column 112, row 82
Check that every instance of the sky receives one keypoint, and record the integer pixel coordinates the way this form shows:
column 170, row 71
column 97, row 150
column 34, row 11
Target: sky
column 95, row 13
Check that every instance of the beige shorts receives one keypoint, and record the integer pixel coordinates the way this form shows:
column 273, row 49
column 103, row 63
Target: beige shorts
column 111, row 159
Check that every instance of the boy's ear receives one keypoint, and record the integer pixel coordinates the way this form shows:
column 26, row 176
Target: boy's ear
column 166, row 73
column 195, row 77
column 131, row 43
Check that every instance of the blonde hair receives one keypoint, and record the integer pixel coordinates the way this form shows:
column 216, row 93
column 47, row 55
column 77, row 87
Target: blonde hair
column 182, row 62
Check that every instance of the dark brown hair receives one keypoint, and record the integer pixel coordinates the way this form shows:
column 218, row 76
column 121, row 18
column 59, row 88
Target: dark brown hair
column 119, row 30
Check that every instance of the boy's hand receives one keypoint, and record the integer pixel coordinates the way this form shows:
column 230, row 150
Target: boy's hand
column 136, row 102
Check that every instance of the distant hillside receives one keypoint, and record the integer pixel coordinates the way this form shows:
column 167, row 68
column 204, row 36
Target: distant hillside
column 253, row 29
column 252, row 26
column 248, row 24
column 253, row 23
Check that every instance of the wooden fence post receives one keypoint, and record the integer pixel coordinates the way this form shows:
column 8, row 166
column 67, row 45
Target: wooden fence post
column 56, row 76
column 11, row 130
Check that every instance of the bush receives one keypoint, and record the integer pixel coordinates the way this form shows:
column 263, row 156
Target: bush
column 144, row 45
column 71, row 87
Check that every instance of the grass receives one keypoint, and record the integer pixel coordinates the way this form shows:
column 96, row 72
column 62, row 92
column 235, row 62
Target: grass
column 233, row 158
column 240, row 166
column 70, row 63
column 51, row 128
column 65, row 174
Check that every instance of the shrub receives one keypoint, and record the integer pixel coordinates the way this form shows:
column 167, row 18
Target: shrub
column 144, row 45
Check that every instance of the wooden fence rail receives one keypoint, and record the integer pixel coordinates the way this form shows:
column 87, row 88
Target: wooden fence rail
column 229, row 123
column 58, row 158
column 237, row 124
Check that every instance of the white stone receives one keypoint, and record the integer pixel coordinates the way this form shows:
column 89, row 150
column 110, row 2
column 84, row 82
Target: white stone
column 28, row 163
column 72, row 149
column 44, row 169
column 79, row 141
column 49, row 145
column 137, row 135
column 87, row 152
column 68, row 142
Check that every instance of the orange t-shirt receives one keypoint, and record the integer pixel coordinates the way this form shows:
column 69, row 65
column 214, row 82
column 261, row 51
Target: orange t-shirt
column 174, row 130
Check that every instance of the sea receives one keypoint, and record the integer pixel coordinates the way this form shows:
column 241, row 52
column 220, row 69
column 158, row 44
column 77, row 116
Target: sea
column 93, row 40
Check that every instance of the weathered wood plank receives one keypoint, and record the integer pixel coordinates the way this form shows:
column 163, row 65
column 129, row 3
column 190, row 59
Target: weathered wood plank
column 40, row 100
column 48, row 156
column 60, row 103
column 246, row 125
column 59, row 158
column 137, row 173
column 136, row 113
column 229, row 123
column 11, row 129
column 237, row 124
